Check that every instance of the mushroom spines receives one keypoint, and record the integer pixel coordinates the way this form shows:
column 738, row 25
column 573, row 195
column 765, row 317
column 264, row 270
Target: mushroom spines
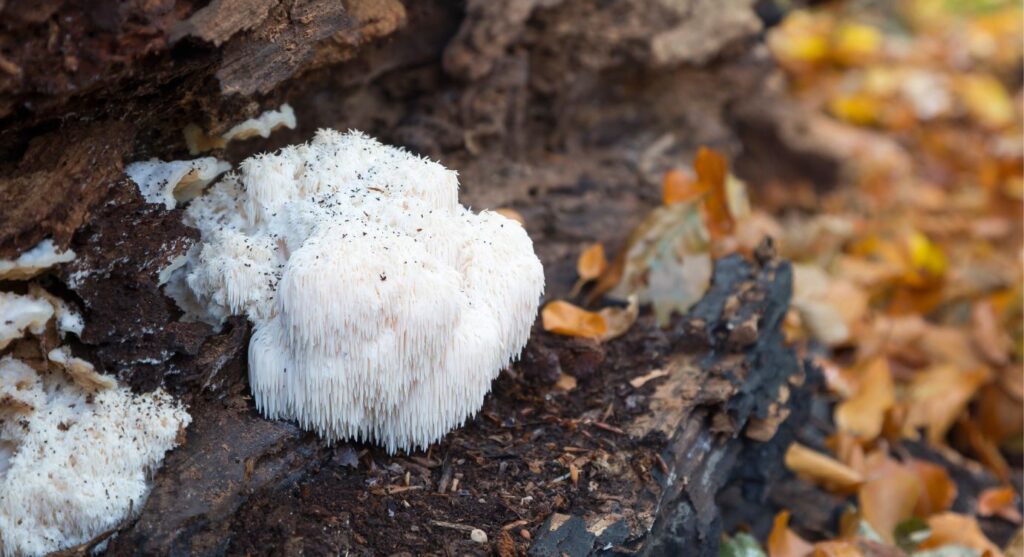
column 382, row 308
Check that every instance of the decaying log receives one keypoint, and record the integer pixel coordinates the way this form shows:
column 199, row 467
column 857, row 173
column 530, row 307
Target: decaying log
column 568, row 111
column 631, row 460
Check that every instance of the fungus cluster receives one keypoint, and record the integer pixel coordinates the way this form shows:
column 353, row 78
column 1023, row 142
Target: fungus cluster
column 76, row 449
column 383, row 308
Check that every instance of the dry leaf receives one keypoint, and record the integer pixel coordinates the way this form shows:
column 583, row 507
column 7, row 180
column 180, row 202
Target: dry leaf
column 712, row 171
column 938, row 491
column 561, row 317
column 1000, row 415
column 678, row 187
column 665, row 261
column 783, row 542
column 618, row 320
column 958, row 529
column 938, row 396
column 864, row 413
column 889, row 494
column 989, row 338
column 592, row 262
column 565, row 382
column 999, row 501
column 822, row 469
column 837, row 548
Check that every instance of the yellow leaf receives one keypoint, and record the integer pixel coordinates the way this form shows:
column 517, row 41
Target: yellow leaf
column 592, row 262
column 864, row 413
column 563, row 318
column 783, row 542
column 927, row 261
column 821, row 469
column 856, row 43
column 801, row 40
column 857, row 109
column 986, row 100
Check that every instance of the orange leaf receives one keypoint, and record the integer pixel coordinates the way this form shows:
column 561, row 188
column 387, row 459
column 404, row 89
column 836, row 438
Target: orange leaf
column 847, row 450
column 937, row 489
column 783, row 542
column 864, row 413
column 999, row 501
column 939, row 396
column 563, row 318
column 677, row 187
column 837, row 548
column 592, row 262
column 889, row 495
column 821, row 468
column 711, row 169
column 958, row 529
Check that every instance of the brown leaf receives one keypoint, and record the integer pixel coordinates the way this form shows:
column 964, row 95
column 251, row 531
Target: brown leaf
column 822, row 469
column 889, row 494
column 938, row 396
column 783, row 542
column 989, row 338
column 864, row 413
column 938, row 491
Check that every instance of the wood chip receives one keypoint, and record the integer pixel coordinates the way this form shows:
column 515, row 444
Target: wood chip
column 638, row 382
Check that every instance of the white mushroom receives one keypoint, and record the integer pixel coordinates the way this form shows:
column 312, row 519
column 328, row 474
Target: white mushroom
column 383, row 309
column 174, row 182
column 34, row 261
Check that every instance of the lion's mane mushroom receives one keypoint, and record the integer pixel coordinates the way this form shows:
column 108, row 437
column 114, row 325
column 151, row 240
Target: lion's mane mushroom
column 383, row 309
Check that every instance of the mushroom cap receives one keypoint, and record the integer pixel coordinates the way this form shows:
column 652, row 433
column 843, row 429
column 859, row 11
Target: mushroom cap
column 383, row 309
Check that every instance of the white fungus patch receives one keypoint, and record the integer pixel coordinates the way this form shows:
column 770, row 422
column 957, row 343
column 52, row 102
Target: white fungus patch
column 262, row 126
column 20, row 315
column 383, row 309
column 74, row 462
column 174, row 182
column 34, row 261
column 68, row 320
